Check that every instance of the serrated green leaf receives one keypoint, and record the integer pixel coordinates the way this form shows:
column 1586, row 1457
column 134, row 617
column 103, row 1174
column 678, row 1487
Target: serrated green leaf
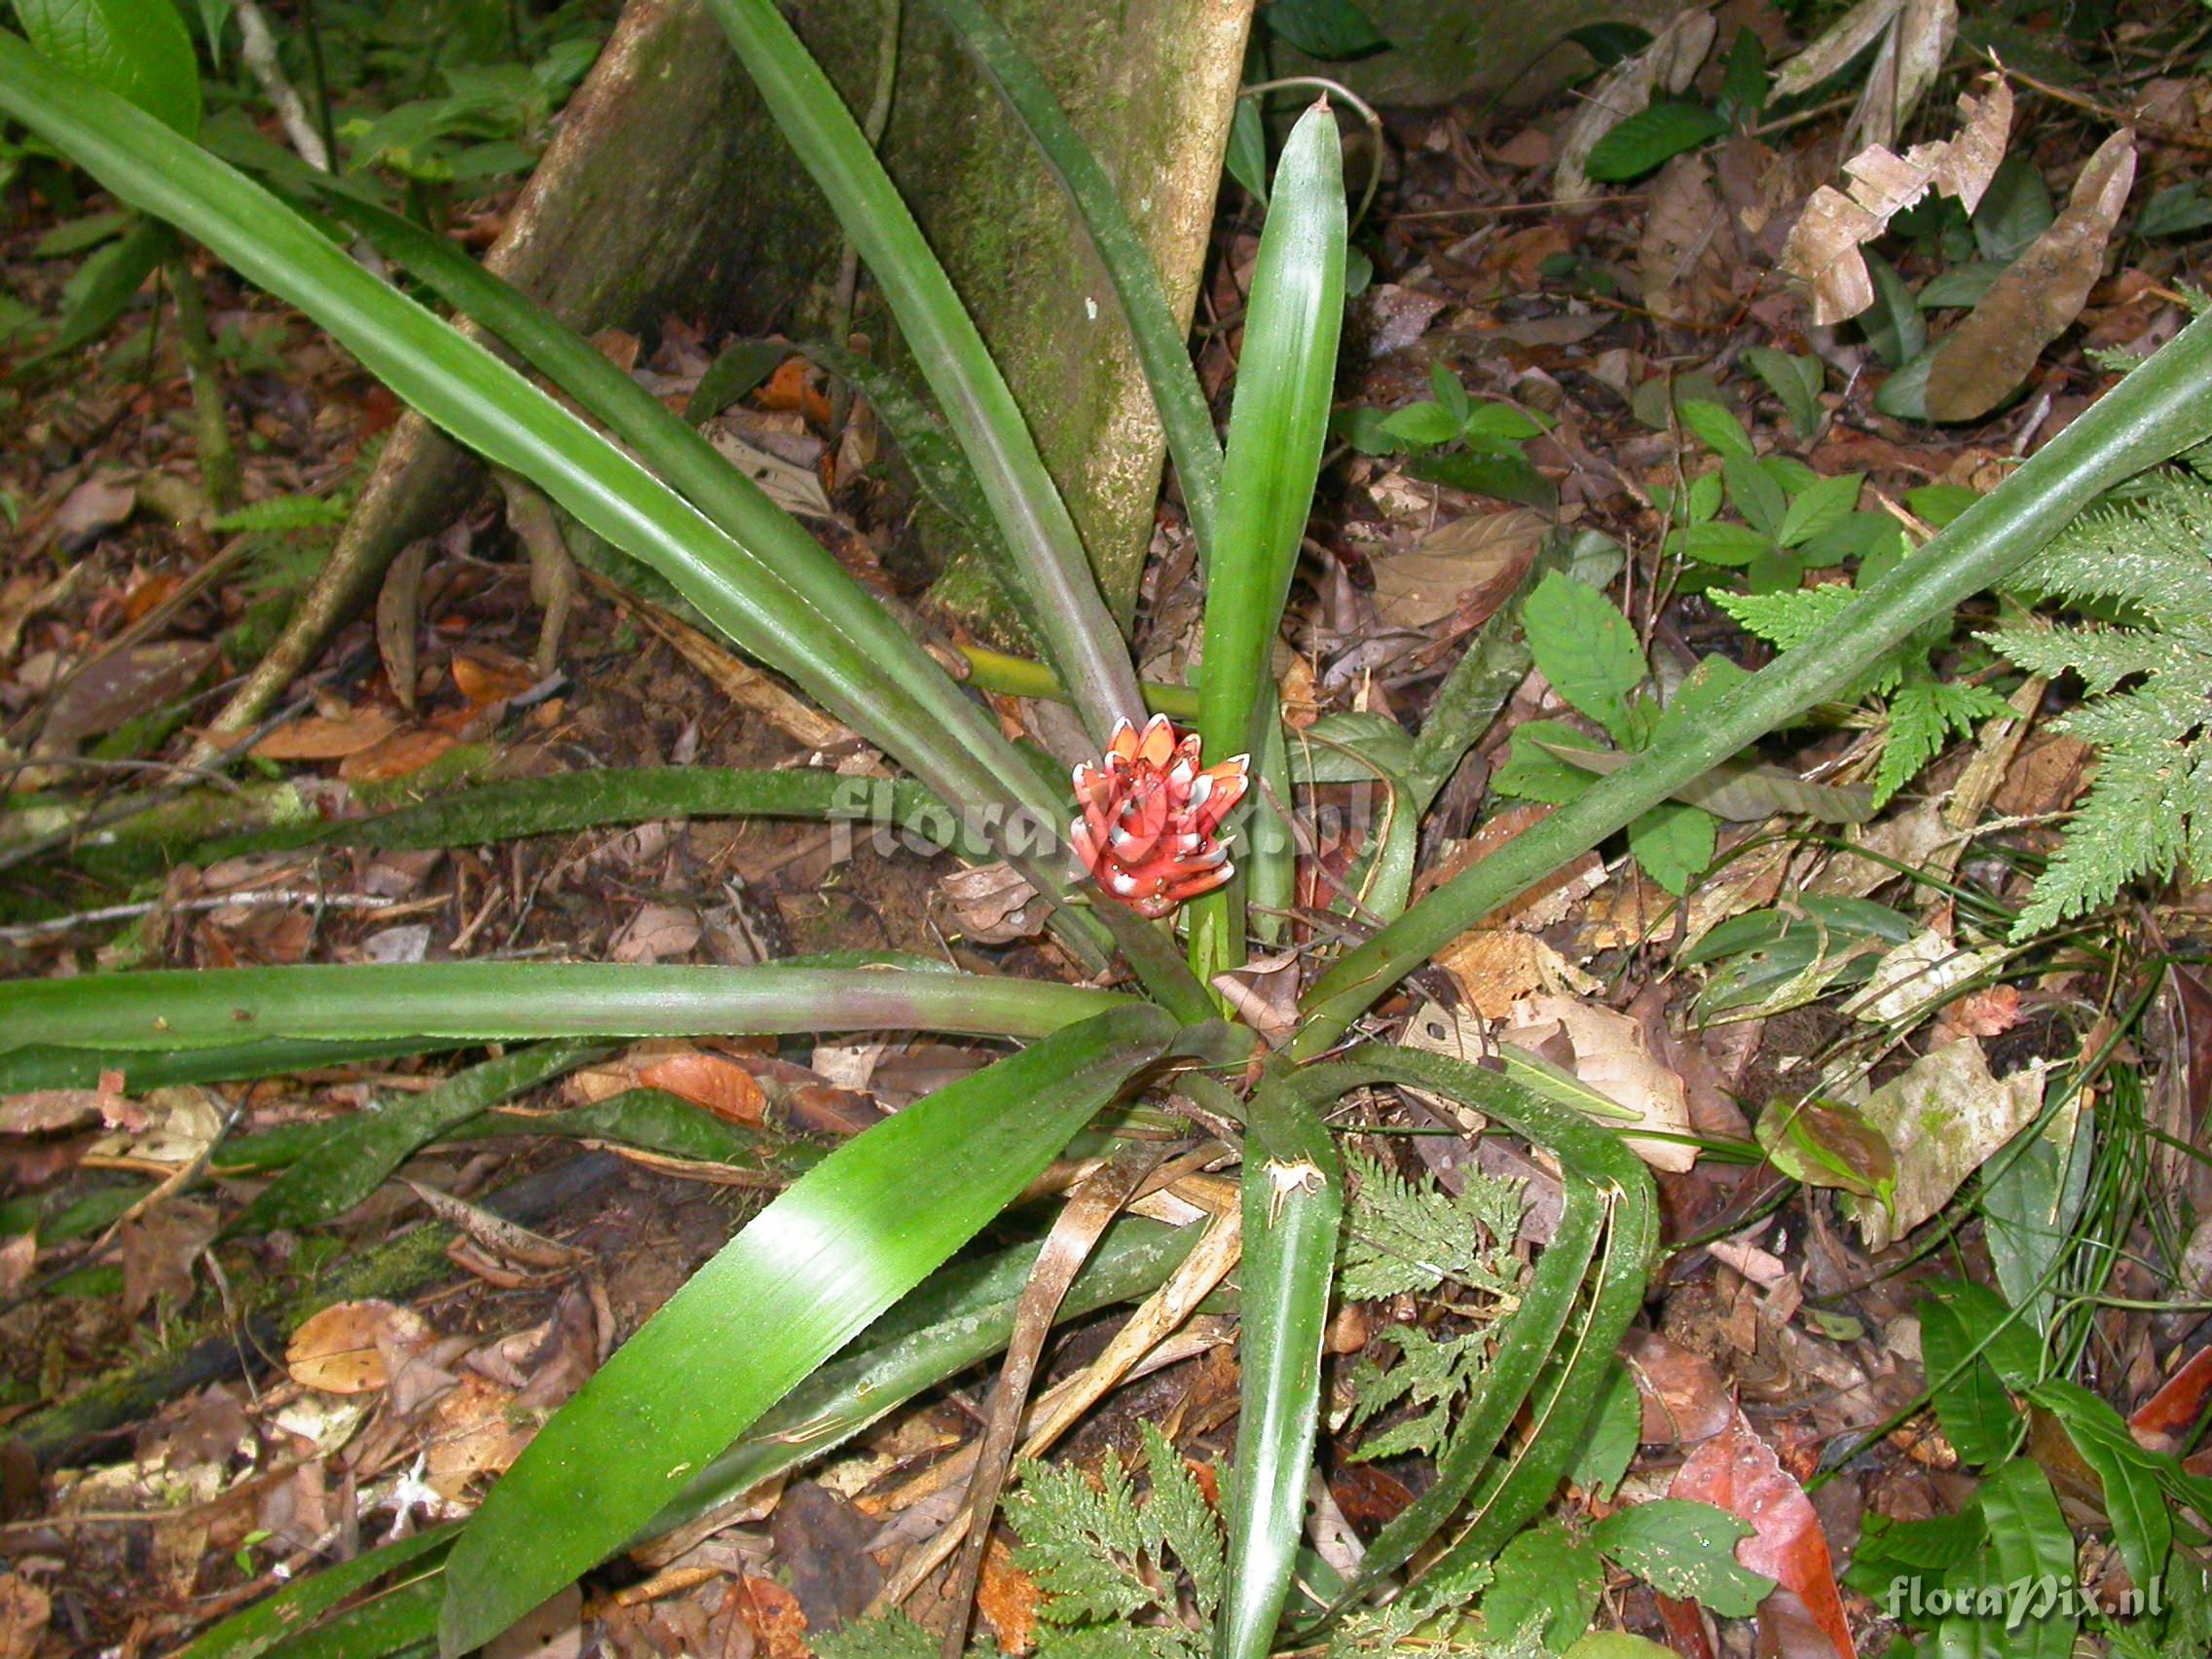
column 136, row 49
column 1819, row 509
column 1685, row 1550
column 1423, row 422
column 1796, row 381
column 1587, row 649
column 1641, row 141
column 1715, row 426
column 1673, row 844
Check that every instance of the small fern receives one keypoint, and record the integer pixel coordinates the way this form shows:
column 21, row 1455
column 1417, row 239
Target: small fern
column 1102, row 1557
column 284, row 512
column 1924, row 711
column 2144, row 564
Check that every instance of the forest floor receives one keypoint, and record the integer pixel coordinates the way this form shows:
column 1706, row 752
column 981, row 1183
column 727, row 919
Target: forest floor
column 191, row 1433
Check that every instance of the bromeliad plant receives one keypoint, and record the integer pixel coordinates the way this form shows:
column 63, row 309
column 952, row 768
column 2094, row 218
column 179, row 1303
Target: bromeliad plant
column 741, row 1375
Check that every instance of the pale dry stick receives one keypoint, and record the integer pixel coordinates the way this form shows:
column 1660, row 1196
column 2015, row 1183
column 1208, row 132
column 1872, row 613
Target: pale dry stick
column 23, row 933
column 259, row 49
column 1082, row 1221
column 1161, row 1315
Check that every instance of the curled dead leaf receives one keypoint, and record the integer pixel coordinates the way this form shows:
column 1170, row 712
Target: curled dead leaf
column 339, row 1351
column 2036, row 296
column 993, row 903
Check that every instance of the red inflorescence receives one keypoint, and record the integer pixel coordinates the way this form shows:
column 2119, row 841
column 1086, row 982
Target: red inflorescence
column 1151, row 818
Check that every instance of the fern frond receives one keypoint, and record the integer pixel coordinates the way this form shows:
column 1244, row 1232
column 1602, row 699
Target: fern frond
column 1400, row 1237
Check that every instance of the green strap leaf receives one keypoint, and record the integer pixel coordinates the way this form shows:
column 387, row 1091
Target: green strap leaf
column 1277, row 427
column 1153, row 327
column 1071, row 615
column 265, row 1624
column 1292, row 1202
column 482, row 1002
column 804, row 1277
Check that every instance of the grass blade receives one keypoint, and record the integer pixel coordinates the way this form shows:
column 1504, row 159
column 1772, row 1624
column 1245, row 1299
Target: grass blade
column 804, row 1277
column 1070, row 612
column 1293, row 1200
column 2158, row 411
column 172, row 1009
column 1153, row 329
column 1276, row 427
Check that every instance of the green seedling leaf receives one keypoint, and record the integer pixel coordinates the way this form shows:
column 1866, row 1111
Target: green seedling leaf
column 1673, row 843
column 804, row 1277
column 1449, row 394
column 1715, row 426
column 1507, row 476
column 1892, row 325
column 2008, row 1342
column 1961, row 285
column 1744, row 86
column 1425, row 423
column 1938, row 505
column 2174, row 211
column 1727, row 544
column 79, row 236
column 1246, row 156
column 1903, row 396
column 1755, row 492
column 1587, row 649
column 1536, row 766
column 1827, row 1143
column 1499, row 424
column 2031, row 1207
column 1687, row 1550
column 1333, row 30
column 136, row 49
column 1819, row 509
column 1978, row 1418
column 1547, row 1585
column 2016, row 210
column 1796, row 381
column 1641, row 141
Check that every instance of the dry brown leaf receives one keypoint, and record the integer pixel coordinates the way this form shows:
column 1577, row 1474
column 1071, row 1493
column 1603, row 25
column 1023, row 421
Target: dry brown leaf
column 657, row 932
column 90, row 510
column 1008, row 1599
column 1684, row 1397
column 1686, row 244
column 484, row 678
column 1494, row 968
column 1612, row 1056
column 398, row 610
column 159, row 1248
column 2036, row 296
column 993, row 903
column 774, row 1616
column 25, row 1609
column 340, row 1350
column 1419, row 586
column 398, row 755
column 328, row 737
column 470, row 1431
column 710, row 1081
column 508, row 1240
column 1823, row 251
column 123, row 685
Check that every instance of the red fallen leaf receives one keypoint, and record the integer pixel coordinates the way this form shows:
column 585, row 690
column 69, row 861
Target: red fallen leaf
column 1687, row 1625
column 2166, row 1415
column 1988, row 1013
column 1684, row 1400
column 772, row 1613
column 1738, row 1472
column 708, row 1081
